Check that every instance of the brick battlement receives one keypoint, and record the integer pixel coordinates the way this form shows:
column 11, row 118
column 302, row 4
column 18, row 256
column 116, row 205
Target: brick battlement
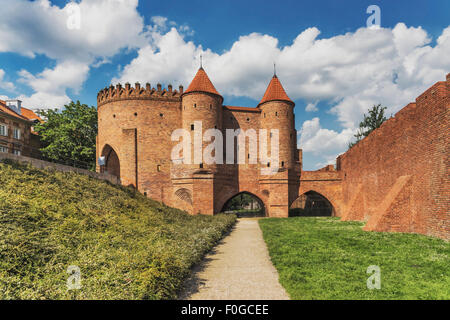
column 119, row 93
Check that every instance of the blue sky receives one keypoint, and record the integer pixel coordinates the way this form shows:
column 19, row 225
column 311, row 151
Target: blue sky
column 327, row 58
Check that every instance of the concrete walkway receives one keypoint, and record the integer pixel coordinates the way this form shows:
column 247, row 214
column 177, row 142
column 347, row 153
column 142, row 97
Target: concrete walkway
column 238, row 268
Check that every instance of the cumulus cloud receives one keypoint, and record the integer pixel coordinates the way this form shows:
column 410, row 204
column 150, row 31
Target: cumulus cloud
column 51, row 84
column 323, row 142
column 38, row 27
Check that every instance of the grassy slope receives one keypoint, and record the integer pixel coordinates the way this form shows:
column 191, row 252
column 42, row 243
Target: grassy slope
column 127, row 247
column 325, row 258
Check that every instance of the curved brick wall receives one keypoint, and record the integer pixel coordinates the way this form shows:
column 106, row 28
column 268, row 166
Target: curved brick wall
column 137, row 123
column 280, row 115
column 204, row 107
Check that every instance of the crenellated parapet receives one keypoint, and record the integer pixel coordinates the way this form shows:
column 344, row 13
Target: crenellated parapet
column 137, row 92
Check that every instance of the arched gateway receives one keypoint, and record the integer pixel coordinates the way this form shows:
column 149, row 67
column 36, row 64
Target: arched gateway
column 312, row 203
column 112, row 163
column 245, row 204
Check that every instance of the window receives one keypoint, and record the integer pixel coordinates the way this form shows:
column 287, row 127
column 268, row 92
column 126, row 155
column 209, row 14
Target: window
column 3, row 149
column 268, row 164
column 17, row 152
column 16, row 133
column 282, row 164
column 3, row 130
column 276, row 114
column 158, row 168
column 192, row 127
column 201, row 165
column 195, row 105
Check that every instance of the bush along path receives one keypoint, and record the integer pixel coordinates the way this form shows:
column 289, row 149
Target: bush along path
column 124, row 245
column 239, row 268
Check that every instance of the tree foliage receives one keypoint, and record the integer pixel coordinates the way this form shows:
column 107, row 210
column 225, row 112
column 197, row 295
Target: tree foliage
column 374, row 119
column 69, row 135
column 240, row 201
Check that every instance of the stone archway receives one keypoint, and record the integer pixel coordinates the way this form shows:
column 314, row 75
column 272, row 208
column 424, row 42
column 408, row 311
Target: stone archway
column 112, row 162
column 245, row 204
column 312, row 203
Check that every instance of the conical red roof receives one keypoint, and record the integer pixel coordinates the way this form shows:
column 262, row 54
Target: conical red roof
column 275, row 91
column 201, row 83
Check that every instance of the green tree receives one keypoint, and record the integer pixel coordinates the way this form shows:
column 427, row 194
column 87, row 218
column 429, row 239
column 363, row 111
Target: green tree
column 373, row 120
column 69, row 135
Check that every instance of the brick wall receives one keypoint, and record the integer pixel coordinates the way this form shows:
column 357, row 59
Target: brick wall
column 397, row 178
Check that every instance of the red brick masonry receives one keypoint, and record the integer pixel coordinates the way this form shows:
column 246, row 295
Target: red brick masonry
column 396, row 179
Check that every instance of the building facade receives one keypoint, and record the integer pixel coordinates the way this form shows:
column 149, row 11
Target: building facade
column 16, row 129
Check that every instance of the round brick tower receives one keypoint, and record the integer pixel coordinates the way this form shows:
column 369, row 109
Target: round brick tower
column 277, row 112
column 201, row 103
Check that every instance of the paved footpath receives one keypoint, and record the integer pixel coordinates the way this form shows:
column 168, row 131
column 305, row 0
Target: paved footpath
column 238, row 268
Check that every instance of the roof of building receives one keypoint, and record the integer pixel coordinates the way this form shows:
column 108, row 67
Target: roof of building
column 30, row 114
column 201, row 83
column 275, row 91
column 5, row 109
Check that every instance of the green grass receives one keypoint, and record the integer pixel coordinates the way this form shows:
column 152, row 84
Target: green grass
column 325, row 258
column 126, row 246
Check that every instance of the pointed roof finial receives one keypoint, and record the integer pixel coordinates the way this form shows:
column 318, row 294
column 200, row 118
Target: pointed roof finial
column 201, row 61
column 275, row 92
column 202, row 83
column 274, row 69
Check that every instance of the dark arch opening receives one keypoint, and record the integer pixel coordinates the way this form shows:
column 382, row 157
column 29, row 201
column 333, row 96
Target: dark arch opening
column 112, row 163
column 311, row 204
column 245, row 204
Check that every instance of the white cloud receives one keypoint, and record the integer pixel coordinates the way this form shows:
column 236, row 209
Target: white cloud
column 5, row 84
column 38, row 27
column 311, row 107
column 327, row 144
column 51, row 84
